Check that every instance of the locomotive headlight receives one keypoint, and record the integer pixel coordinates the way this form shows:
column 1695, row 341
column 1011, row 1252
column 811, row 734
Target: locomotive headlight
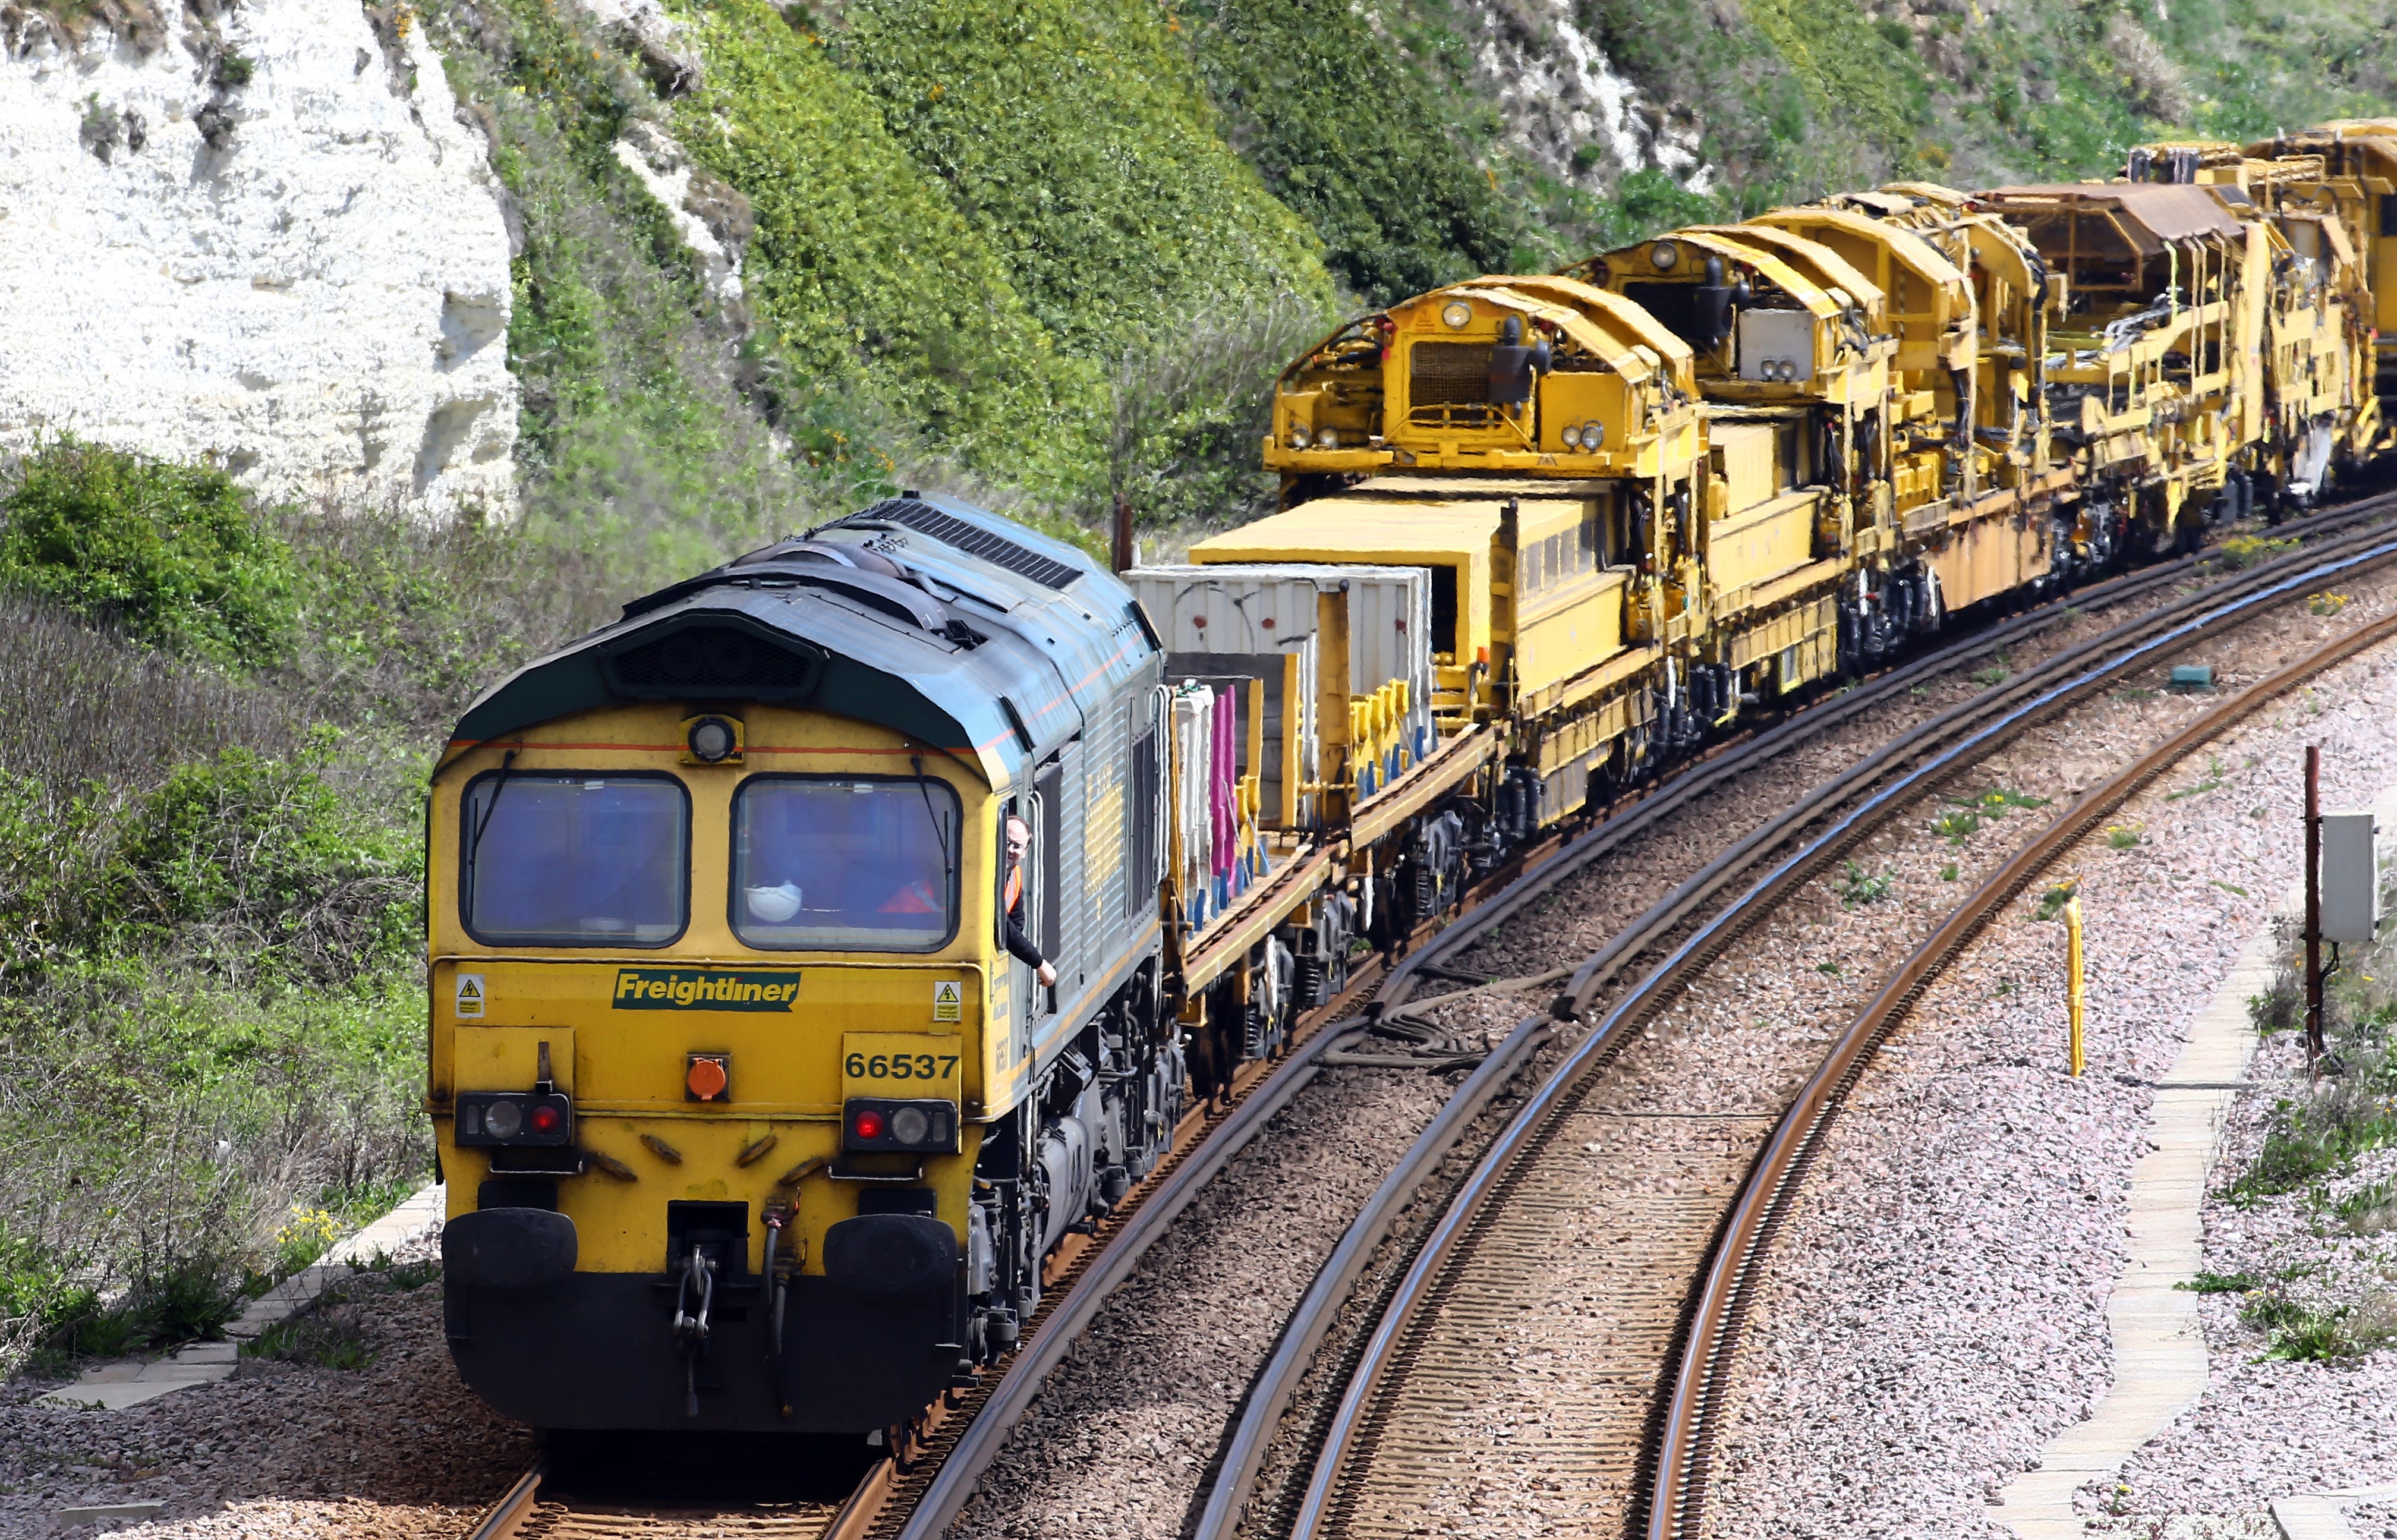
column 1456, row 314
column 1665, row 254
column 909, row 1126
column 712, row 739
column 1788, row 370
column 1299, row 437
column 1572, row 437
column 504, row 1120
column 1592, row 435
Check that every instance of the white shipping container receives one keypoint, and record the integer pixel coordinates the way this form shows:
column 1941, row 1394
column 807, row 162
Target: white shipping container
column 1269, row 606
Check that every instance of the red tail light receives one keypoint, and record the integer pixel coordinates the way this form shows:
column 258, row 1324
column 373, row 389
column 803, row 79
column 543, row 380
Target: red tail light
column 545, row 1118
column 918, row 1126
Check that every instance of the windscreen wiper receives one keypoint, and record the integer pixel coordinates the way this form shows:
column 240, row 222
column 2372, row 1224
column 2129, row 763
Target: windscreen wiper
column 484, row 822
column 939, row 830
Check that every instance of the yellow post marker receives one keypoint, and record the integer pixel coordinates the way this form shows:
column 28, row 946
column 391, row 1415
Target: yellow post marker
column 2076, row 1046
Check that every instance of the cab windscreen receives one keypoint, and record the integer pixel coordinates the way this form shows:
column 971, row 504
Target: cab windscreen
column 857, row 864
column 574, row 859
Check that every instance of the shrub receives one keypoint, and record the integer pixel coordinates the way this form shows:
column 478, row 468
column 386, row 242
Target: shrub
column 1188, row 413
column 258, row 863
column 405, row 623
column 171, row 551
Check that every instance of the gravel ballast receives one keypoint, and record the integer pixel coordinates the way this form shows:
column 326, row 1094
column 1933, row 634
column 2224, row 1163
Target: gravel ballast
column 400, row 1449
column 1934, row 1309
column 1117, row 1444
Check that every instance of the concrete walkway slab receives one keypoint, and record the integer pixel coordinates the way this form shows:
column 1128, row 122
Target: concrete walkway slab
column 121, row 1383
column 2159, row 1354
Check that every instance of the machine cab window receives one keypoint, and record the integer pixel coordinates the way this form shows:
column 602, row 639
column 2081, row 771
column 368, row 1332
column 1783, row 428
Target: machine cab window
column 864, row 863
column 592, row 860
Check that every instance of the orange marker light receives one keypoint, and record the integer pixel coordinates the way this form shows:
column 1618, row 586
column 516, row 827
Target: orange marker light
column 706, row 1078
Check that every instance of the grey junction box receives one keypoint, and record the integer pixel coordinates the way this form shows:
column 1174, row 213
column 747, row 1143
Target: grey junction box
column 2351, row 877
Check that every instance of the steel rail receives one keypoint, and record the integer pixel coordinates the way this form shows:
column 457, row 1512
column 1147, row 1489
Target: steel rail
column 1243, row 1454
column 1701, row 1364
column 1503, row 1162
column 504, row 1520
column 980, row 1441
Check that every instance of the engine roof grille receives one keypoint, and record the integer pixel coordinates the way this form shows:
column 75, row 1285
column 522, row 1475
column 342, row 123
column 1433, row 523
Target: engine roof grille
column 972, row 539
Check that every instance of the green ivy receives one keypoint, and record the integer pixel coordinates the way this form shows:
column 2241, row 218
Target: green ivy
column 1075, row 137
column 862, row 271
column 1356, row 139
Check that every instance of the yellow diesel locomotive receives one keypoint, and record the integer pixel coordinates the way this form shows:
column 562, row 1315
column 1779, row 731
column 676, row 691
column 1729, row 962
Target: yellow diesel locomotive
column 750, row 1118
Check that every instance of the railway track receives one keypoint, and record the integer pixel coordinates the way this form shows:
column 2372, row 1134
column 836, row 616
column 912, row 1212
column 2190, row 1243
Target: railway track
column 918, row 1492
column 1549, row 1272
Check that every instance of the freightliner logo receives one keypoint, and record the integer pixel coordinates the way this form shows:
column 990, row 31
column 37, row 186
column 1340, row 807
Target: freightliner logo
column 685, row 989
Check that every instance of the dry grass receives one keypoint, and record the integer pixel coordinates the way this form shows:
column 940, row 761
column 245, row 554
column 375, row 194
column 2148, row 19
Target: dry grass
column 79, row 702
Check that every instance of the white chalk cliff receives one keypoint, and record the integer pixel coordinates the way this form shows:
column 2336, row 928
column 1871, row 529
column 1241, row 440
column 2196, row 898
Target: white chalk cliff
column 259, row 233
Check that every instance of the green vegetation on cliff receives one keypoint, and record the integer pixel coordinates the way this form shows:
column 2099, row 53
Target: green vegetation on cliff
column 640, row 427
column 1076, row 138
column 1351, row 136
column 863, row 270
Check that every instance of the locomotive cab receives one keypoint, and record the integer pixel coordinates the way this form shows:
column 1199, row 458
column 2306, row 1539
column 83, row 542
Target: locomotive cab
column 749, row 1119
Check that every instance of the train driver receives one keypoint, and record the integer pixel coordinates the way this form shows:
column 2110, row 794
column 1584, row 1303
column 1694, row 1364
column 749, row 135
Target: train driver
column 1019, row 839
